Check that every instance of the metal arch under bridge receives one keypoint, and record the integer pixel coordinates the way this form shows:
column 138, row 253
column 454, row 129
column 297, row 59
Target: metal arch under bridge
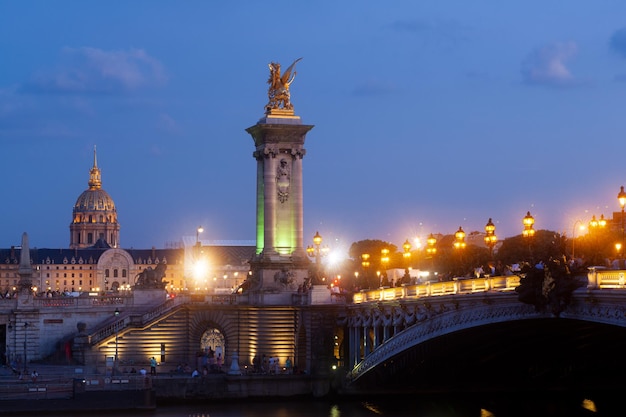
column 384, row 323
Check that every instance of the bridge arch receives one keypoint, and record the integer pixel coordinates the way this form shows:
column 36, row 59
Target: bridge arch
column 211, row 328
column 422, row 330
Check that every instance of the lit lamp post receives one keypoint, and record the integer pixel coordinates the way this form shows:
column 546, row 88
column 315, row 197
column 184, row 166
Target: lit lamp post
column 528, row 221
column 490, row 236
column 459, row 244
column 199, row 230
column 431, row 250
column 582, row 227
column 406, row 279
column 116, row 315
column 594, row 226
column 316, row 251
column 459, row 236
column 365, row 263
column 384, row 261
column 621, row 197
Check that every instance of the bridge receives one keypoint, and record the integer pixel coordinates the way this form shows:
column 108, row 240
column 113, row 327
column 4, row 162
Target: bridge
column 476, row 333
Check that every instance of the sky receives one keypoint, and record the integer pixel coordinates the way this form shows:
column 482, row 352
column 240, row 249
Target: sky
column 429, row 116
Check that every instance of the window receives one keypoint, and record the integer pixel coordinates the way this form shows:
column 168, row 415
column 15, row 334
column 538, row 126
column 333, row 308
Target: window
column 89, row 237
column 106, row 273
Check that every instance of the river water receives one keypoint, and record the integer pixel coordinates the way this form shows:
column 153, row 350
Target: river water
column 401, row 406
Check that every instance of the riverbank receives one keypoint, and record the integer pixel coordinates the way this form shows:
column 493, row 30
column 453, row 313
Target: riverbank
column 60, row 388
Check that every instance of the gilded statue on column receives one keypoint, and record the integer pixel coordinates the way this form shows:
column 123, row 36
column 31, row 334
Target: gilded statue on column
column 278, row 93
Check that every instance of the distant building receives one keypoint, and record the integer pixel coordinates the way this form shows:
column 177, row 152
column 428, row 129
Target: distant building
column 95, row 262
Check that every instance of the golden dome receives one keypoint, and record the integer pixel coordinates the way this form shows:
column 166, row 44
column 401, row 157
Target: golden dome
column 94, row 200
column 94, row 217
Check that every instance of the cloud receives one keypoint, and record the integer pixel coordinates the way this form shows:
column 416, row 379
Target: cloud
column 617, row 43
column 89, row 70
column 547, row 65
column 373, row 88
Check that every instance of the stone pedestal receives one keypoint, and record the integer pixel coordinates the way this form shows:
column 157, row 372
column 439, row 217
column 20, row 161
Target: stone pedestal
column 234, row 366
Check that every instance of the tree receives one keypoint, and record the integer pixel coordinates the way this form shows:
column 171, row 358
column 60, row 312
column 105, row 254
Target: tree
column 373, row 248
column 545, row 245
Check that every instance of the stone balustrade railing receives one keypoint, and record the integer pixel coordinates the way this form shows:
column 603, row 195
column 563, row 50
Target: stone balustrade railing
column 428, row 289
column 91, row 301
column 600, row 277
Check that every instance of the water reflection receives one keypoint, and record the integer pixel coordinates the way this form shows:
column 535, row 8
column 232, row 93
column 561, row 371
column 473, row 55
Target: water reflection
column 479, row 405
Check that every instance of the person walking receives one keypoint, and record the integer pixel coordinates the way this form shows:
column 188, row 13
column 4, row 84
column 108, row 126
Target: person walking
column 153, row 365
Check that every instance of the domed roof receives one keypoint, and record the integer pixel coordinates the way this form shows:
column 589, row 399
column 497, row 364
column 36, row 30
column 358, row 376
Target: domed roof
column 94, row 199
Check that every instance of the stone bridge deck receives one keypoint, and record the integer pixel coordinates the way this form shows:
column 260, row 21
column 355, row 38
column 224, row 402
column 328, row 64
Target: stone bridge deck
column 384, row 323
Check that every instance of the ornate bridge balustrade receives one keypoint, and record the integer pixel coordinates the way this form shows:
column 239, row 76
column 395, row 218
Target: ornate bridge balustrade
column 383, row 323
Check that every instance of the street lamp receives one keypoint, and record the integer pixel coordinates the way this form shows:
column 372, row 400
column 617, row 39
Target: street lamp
column 317, row 252
column 621, row 197
column 528, row 221
column 459, row 236
column 582, row 227
column 365, row 263
column 116, row 315
column 407, row 259
column 384, row 261
column 199, row 230
column 490, row 236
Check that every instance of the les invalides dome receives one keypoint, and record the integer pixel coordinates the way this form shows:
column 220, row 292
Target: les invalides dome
column 94, row 218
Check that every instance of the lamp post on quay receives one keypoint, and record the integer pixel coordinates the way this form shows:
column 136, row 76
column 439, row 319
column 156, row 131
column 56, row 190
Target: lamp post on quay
column 490, row 237
column 317, row 252
column 199, row 230
column 621, row 197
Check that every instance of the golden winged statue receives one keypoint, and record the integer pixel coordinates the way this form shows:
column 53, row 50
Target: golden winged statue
column 278, row 93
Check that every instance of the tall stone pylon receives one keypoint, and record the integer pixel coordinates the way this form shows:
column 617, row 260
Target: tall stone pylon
column 281, row 264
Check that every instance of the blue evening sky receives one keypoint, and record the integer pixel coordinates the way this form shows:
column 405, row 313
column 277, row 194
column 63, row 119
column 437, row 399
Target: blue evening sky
column 428, row 115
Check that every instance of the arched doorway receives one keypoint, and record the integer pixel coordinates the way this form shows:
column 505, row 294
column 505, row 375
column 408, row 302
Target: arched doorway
column 212, row 346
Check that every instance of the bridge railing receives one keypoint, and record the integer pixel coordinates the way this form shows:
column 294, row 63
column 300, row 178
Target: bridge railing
column 83, row 301
column 600, row 277
column 428, row 289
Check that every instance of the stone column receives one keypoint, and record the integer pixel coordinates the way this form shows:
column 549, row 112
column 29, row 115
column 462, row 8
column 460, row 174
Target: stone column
column 269, row 197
